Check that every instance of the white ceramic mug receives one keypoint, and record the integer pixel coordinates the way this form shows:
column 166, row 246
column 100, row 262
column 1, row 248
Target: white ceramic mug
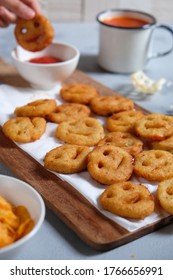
column 126, row 49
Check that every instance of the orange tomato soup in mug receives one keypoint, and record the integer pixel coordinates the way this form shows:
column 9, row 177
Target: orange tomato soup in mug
column 125, row 21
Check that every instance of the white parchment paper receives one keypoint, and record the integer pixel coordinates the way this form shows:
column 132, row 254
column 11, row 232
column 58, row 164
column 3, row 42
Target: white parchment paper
column 12, row 97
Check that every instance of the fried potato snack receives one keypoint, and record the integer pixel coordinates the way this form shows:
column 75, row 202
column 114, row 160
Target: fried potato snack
column 38, row 108
column 78, row 93
column 107, row 105
column 86, row 131
column 165, row 195
column 154, row 127
column 15, row 222
column 26, row 223
column 123, row 121
column 7, row 235
column 68, row 111
column 34, row 34
column 154, row 165
column 128, row 200
column 166, row 145
column 108, row 164
column 124, row 140
column 6, row 214
column 24, row 129
column 67, row 159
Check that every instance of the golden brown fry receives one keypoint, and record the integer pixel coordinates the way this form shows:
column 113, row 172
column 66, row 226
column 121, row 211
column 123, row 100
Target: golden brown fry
column 68, row 111
column 154, row 127
column 78, row 93
column 38, row 108
column 124, row 140
column 154, row 165
column 108, row 164
column 128, row 200
column 123, row 121
column 67, row 159
column 165, row 195
column 107, row 105
column 24, row 129
column 86, row 131
column 34, row 34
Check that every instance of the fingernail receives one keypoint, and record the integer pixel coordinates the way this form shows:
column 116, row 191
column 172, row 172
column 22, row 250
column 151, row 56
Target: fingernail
column 29, row 14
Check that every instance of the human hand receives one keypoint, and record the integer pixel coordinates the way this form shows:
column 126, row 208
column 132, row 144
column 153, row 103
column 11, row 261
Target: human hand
column 10, row 10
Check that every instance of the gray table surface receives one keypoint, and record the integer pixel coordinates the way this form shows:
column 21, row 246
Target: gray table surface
column 55, row 240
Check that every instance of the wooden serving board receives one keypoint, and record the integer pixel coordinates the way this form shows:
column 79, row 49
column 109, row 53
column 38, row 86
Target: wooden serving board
column 67, row 203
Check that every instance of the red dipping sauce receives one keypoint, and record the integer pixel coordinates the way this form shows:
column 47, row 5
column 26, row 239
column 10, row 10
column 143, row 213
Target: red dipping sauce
column 45, row 60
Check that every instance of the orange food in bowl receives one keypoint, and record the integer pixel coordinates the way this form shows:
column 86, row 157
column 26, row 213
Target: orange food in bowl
column 15, row 222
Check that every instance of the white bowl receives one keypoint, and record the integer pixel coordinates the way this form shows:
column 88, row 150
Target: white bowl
column 21, row 193
column 46, row 76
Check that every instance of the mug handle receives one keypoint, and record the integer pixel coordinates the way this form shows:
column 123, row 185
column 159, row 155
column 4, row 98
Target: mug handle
column 160, row 54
